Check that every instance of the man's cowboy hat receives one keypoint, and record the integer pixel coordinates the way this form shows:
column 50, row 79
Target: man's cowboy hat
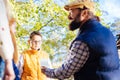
column 80, row 4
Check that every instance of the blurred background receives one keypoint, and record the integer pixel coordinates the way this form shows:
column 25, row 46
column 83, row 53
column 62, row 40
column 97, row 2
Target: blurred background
column 50, row 18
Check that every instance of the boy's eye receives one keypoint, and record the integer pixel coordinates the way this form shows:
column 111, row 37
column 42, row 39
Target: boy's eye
column 35, row 41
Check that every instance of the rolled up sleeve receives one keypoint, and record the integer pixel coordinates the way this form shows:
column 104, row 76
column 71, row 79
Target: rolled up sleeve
column 77, row 57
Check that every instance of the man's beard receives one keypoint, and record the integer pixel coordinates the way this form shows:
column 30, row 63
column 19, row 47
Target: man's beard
column 75, row 24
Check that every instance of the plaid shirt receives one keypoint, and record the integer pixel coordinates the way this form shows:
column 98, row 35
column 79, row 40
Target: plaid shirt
column 76, row 59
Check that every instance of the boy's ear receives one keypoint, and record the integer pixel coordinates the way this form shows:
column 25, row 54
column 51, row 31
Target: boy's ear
column 28, row 41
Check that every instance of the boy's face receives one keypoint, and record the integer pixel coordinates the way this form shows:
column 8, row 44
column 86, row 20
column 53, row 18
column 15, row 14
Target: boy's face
column 35, row 42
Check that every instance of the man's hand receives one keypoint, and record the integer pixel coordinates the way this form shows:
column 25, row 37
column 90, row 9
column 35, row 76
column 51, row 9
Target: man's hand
column 43, row 69
column 9, row 72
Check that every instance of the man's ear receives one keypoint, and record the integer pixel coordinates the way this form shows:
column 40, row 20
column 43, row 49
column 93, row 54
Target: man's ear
column 84, row 14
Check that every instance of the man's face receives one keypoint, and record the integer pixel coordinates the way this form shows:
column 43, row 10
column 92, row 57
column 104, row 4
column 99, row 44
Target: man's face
column 74, row 15
column 35, row 42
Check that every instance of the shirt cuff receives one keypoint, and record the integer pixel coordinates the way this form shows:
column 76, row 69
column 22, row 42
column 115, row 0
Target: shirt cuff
column 50, row 73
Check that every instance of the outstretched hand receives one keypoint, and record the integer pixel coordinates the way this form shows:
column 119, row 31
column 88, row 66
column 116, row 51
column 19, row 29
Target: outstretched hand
column 43, row 69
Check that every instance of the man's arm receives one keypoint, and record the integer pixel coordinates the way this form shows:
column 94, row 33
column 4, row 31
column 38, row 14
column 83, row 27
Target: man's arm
column 6, row 45
column 78, row 56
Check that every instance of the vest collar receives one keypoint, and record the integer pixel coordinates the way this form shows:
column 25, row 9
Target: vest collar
column 86, row 24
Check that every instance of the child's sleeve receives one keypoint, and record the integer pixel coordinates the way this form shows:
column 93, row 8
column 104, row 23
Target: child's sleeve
column 20, row 65
column 45, row 60
column 49, row 62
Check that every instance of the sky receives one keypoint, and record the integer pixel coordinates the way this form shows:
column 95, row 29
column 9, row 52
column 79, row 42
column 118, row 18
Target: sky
column 110, row 9
column 111, row 6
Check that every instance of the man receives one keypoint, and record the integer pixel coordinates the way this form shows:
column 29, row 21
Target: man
column 93, row 54
column 6, row 46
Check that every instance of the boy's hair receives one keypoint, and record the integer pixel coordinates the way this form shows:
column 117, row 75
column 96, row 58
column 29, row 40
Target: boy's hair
column 35, row 33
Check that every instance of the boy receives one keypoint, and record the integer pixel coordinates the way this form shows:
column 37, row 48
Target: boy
column 29, row 65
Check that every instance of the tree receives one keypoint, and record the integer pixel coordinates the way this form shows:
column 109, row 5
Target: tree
column 45, row 16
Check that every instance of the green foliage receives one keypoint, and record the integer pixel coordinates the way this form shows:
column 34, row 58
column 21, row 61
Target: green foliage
column 41, row 16
column 46, row 17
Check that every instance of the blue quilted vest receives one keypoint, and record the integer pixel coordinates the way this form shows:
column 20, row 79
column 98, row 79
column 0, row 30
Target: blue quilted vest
column 103, row 62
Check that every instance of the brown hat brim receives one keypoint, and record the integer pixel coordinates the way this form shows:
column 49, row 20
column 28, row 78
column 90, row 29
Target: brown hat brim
column 68, row 7
column 80, row 4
